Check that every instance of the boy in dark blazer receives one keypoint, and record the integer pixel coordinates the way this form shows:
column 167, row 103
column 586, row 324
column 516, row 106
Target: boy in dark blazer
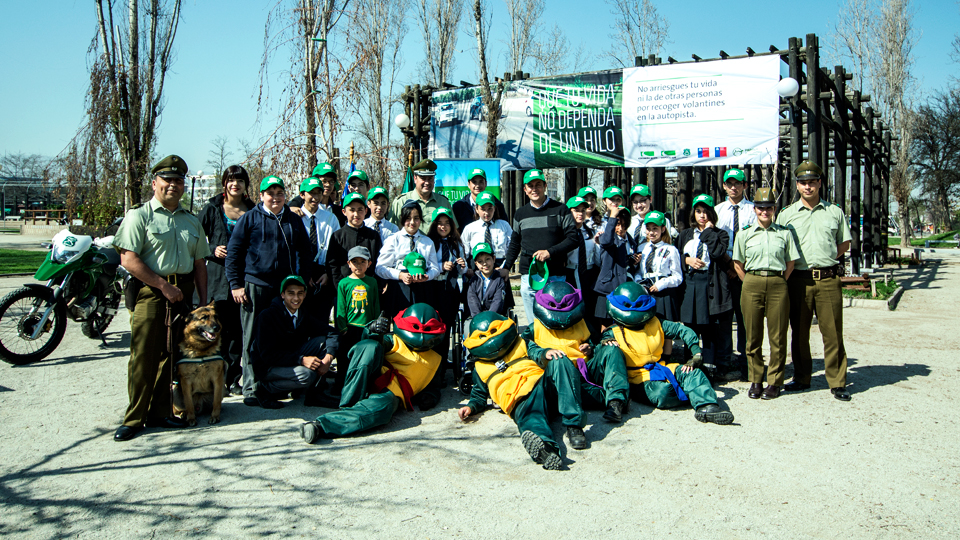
column 488, row 290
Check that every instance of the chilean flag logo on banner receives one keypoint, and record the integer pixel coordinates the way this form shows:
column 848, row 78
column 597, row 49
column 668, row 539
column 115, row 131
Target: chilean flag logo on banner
column 720, row 151
column 703, row 152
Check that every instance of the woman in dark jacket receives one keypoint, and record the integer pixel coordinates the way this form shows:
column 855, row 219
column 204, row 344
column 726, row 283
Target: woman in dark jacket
column 218, row 218
column 617, row 261
column 707, row 304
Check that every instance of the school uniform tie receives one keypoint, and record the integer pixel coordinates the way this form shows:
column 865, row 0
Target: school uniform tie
column 487, row 236
column 413, row 243
column 378, row 227
column 636, row 233
column 649, row 265
column 293, row 319
column 736, row 222
column 313, row 231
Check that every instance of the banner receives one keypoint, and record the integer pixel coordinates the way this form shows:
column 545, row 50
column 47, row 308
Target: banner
column 452, row 176
column 724, row 112
column 705, row 113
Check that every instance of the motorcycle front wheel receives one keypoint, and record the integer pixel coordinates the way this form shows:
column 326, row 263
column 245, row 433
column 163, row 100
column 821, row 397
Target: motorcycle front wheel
column 17, row 325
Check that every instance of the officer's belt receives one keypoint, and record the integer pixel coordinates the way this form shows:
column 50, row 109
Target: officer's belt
column 174, row 279
column 766, row 273
column 820, row 273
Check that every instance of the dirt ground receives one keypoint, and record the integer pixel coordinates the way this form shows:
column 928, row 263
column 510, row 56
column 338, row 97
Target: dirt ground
column 885, row 465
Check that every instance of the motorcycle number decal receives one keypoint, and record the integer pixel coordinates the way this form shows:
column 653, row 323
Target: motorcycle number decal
column 69, row 241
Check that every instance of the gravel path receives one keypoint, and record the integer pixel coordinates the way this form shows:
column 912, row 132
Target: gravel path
column 885, row 465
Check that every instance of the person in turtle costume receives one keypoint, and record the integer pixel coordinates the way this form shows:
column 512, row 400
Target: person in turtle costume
column 386, row 369
column 559, row 331
column 522, row 389
column 639, row 336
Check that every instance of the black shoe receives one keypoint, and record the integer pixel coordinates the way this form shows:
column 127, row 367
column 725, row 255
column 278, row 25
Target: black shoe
column 170, row 422
column 251, row 402
column 266, row 399
column 794, row 386
column 712, row 413
column 578, row 441
column 614, row 411
column 125, row 433
column 236, row 389
column 540, row 451
column 311, row 432
column 756, row 389
column 840, row 393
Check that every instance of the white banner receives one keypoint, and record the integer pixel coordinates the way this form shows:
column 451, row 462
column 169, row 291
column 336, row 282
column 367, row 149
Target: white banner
column 724, row 112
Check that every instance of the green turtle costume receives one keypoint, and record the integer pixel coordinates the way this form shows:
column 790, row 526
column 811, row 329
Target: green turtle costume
column 522, row 389
column 639, row 336
column 558, row 325
column 386, row 370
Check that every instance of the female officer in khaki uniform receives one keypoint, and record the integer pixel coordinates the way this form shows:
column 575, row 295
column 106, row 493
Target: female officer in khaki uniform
column 763, row 256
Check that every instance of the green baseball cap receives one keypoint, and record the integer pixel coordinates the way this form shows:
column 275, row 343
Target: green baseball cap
column 353, row 196
column 612, row 191
column 359, row 174
column 576, row 201
column 415, row 264
column 657, row 218
column 533, row 174
column 377, row 191
column 642, row 190
column 475, row 173
column 482, row 247
column 442, row 211
column 269, row 182
column 293, row 278
column 538, row 275
column 486, row 198
column 703, row 198
column 324, row 169
column 172, row 166
column 734, row 174
column 308, row 184
column 586, row 190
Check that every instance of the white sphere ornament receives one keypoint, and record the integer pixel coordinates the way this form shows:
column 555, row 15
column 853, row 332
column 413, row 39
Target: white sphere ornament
column 788, row 87
column 402, row 121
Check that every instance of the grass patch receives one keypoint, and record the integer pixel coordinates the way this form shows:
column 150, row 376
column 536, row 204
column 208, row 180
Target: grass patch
column 884, row 291
column 16, row 261
column 894, row 241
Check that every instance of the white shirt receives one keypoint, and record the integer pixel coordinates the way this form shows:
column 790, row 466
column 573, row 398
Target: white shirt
column 397, row 246
column 500, row 233
column 637, row 221
column 666, row 265
column 327, row 224
column 745, row 214
column 293, row 315
column 690, row 250
column 386, row 228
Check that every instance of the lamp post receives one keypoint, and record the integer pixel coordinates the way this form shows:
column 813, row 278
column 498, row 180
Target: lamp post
column 787, row 88
column 193, row 188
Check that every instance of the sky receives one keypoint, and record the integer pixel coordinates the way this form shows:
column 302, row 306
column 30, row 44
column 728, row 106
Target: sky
column 212, row 88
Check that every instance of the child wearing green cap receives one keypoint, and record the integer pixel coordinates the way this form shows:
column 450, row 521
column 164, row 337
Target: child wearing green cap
column 659, row 269
column 449, row 285
column 379, row 205
column 641, row 204
column 487, row 290
column 490, row 227
column 406, row 285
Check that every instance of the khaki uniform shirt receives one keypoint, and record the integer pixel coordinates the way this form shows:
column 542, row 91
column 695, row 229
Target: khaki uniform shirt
column 765, row 249
column 167, row 242
column 818, row 232
column 436, row 201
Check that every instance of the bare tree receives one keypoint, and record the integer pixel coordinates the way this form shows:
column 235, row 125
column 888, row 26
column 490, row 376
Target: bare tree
column 639, row 30
column 855, row 35
column 439, row 22
column 936, row 153
column 135, row 79
column 491, row 103
column 524, row 16
column 378, row 29
column 219, row 157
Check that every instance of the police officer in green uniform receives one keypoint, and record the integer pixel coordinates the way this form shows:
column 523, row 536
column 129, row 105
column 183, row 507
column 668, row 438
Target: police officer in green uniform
column 823, row 236
column 763, row 256
column 163, row 246
column 424, row 181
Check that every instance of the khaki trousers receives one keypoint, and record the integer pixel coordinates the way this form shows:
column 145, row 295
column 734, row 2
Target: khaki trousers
column 765, row 297
column 822, row 297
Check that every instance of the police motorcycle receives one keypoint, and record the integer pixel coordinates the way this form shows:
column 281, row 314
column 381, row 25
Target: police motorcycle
column 84, row 281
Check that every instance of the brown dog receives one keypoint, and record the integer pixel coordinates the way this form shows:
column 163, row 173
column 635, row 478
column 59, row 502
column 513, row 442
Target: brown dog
column 201, row 377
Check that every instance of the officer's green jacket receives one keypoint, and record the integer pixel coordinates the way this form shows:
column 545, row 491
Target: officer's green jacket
column 167, row 242
column 760, row 248
column 818, row 232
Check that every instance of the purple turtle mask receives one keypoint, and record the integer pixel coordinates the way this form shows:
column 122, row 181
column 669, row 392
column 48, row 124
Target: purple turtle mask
column 567, row 303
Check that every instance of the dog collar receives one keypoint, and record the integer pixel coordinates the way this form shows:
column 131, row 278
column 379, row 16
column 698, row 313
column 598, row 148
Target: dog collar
column 201, row 360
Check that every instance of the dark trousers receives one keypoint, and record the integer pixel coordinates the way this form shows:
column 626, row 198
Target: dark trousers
column 320, row 301
column 258, row 299
column 823, row 297
column 400, row 296
column 231, row 338
column 559, row 385
column 736, row 290
column 278, row 379
column 150, row 369
column 716, row 338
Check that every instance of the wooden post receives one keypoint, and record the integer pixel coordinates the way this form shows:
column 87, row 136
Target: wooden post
column 685, row 178
column 876, row 213
column 840, row 139
column 868, row 172
column 885, row 197
column 796, row 129
column 813, row 102
column 855, row 180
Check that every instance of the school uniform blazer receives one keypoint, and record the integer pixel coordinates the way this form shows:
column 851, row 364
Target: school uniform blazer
column 614, row 260
column 277, row 343
column 716, row 240
column 493, row 300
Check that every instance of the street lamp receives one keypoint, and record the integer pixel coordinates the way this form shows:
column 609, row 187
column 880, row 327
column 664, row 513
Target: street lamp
column 787, row 88
column 193, row 188
column 402, row 121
